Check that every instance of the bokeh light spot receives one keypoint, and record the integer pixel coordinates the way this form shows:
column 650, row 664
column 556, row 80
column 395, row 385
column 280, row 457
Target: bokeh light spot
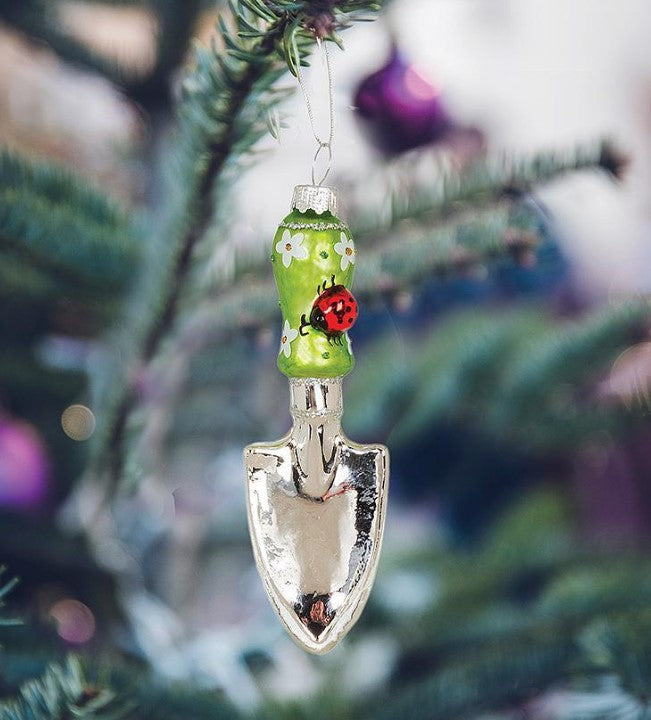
column 630, row 377
column 78, row 422
column 75, row 622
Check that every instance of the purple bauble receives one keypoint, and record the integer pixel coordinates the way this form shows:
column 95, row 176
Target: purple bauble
column 401, row 108
column 24, row 467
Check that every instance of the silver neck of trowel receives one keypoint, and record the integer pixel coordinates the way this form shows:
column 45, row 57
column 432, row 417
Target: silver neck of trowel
column 316, row 398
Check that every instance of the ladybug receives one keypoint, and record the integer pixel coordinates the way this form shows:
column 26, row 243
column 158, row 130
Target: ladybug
column 333, row 312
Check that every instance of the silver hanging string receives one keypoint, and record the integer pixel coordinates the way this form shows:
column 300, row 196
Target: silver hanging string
column 323, row 145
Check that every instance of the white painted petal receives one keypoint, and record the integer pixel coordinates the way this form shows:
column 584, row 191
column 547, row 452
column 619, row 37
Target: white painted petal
column 340, row 248
column 280, row 246
column 290, row 335
column 285, row 246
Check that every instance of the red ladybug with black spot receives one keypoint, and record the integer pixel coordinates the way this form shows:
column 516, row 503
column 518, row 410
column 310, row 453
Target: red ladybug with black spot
column 333, row 312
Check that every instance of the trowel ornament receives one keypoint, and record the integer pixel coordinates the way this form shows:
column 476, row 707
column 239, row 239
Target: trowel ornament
column 316, row 501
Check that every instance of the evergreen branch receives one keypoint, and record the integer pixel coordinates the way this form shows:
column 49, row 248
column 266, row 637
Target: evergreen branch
column 607, row 634
column 4, row 592
column 450, row 249
column 480, row 185
column 59, row 225
column 23, row 280
column 55, row 185
column 226, row 129
column 23, row 286
column 63, row 691
column 500, row 675
column 567, row 587
column 95, row 692
column 621, row 644
column 472, row 614
column 384, row 269
column 219, row 121
column 453, row 198
column 572, row 358
column 479, row 370
column 596, row 605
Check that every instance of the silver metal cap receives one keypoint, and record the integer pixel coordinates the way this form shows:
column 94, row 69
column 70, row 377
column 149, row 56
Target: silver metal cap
column 314, row 397
column 316, row 198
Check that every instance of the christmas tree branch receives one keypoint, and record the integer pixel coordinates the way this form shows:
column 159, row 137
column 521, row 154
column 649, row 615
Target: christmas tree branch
column 474, row 367
column 497, row 676
column 452, row 198
column 483, row 184
column 386, row 269
column 383, row 269
column 59, row 225
column 55, row 185
column 227, row 129
column 574, row 593
column 63, row 691
column 574, row 362
column 219, row 121
column 70, row 688
column 389, row 267
column 4, row 592
column 483, row 640
column 476, row 609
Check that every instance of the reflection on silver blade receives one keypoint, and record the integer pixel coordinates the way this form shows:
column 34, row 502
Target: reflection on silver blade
column 316, row 505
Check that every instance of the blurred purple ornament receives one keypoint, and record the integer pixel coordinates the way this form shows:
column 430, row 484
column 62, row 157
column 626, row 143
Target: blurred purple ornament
column 24, row 467
column 403, row 110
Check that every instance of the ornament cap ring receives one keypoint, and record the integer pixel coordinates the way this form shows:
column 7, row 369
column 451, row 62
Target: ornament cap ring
column 317, row 198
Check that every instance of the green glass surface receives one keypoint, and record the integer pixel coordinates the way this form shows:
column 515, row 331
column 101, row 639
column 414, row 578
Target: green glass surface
column 312, row 355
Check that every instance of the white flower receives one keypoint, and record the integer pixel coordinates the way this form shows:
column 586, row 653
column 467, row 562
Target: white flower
column 291, row 246
column 287, row 338
column 346, row 248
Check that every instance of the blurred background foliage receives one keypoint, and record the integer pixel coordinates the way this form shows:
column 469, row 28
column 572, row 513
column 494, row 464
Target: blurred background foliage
column 139, row 186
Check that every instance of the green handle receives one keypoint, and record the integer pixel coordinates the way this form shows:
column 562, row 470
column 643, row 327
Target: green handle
column 308, row 249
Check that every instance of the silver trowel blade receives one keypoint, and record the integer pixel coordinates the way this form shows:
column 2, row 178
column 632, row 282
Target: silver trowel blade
column 316, row 506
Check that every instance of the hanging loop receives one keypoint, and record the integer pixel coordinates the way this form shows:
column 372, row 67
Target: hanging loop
column 323, row 144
